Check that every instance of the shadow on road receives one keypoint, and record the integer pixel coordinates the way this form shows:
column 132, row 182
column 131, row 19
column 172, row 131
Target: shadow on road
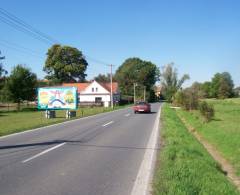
column 75, row 143
column 146, row 112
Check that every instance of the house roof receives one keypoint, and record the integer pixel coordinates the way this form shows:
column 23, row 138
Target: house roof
column 107, row 86
column 82, row 86
column 79, row 86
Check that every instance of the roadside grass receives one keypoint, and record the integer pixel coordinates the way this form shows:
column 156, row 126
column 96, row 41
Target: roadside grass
column 223, row 132
column 13, row 122
column 183, row 165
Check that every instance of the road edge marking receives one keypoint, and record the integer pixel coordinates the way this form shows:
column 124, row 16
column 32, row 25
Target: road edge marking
column 142, row 182
column 44, row 152
column 60, row 123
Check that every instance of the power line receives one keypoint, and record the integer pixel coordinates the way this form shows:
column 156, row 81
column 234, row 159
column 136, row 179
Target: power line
column 19, row 50
column 96, row 60
column 22, row 26
column 11, row 44
column 21, row 22
column 19, row 28
column 26, row 28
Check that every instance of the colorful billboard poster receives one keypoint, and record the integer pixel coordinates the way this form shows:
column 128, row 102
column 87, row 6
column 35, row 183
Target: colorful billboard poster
column 57, row 98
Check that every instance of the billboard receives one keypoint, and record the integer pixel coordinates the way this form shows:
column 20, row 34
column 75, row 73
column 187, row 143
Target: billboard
column 57, row 98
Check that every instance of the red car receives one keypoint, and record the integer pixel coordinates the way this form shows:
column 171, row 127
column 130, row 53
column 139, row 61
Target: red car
column 142, row 107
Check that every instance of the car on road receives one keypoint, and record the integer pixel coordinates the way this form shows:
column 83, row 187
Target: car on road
column 142, row 107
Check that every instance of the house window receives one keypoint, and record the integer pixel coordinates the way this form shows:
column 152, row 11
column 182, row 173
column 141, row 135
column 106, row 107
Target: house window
column 96, row 89
column 92, row 89
column 98, row 99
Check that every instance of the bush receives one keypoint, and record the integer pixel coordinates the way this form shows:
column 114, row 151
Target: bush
column 178, row 99
column 206, row 110
column 191, row 100
column 187, row 99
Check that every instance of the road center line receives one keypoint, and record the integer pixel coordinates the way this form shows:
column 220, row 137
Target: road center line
column 107, row 124
column 44, row 152
column 127, row 114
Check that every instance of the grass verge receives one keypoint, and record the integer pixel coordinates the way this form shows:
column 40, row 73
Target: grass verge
column 184, row 166
column 13, row 122
column 223, row 132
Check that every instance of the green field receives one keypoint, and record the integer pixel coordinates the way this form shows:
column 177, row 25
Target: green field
column 224, row 131
column 183, row 165
column 12, row 122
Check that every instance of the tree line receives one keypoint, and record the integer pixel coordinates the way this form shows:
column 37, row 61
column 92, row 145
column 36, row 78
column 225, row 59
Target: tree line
column 221, row 85
column 193, row 98
column 68, row 64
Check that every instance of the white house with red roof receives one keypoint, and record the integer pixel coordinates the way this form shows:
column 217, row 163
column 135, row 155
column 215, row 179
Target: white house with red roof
column 96, row 92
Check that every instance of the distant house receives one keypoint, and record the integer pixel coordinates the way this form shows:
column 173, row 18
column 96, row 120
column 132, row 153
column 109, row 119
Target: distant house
column 158, row 90
column 96, row 92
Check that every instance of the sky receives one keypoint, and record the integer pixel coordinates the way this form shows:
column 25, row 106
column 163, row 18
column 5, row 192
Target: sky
column 201, row 37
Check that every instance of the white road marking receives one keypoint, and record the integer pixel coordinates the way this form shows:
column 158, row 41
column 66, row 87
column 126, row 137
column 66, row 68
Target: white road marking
column 107, row 124
column 127, row 115
column 61, row 123
column 44, row 152
column 141, row 185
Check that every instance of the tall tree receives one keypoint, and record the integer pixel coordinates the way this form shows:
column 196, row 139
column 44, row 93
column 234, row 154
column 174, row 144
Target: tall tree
column 2, row 71
column 21, row 85
column 206, row 89
column 222, row 85
column 65, row 64
column 103, row 78
column 3, row 74
column 170, row 82
column 197, row 89
column 237, row 92
column 135, row 70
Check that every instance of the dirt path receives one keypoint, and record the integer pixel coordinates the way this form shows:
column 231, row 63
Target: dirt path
column 225, row 165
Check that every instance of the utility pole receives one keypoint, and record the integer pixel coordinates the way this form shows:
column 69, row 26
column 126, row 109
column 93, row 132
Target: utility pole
column 111, row 96
column 134, row 92
column 134, row 99
column 144, row 93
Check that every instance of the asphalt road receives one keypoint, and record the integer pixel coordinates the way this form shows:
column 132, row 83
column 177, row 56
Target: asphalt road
column 91, row 156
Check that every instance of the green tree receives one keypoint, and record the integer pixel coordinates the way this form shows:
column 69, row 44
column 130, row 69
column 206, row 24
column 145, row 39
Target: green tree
column 197, row 89
column 135, row 70
column 222, row 85
column 2, row 71
column 3, row 74
column 65, row 64
column 170, row 82
column 102, row 78
column 21, row 85
column 206, row 89
column 237, row 92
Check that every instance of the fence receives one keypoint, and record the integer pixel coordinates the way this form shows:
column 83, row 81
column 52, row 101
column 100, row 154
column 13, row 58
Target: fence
column 6, row 107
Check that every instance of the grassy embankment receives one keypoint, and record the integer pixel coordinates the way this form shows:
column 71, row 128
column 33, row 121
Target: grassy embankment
column 12, row 122
column 184, row 166
column 223, row 132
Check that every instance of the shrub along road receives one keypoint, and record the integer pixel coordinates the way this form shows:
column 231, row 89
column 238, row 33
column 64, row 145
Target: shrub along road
column 223, row 132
